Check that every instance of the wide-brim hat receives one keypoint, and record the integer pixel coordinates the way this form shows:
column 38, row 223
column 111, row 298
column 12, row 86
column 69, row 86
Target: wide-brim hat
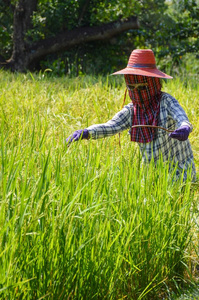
column 142, row 62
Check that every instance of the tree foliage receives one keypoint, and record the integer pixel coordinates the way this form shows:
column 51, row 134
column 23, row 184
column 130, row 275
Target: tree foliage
column 170, row 28
column 175, row 31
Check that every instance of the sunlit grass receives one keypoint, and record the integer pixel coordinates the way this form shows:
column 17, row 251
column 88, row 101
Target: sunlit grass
column 89, row 221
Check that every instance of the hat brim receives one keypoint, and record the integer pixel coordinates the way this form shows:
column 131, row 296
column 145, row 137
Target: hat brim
column 143, row 72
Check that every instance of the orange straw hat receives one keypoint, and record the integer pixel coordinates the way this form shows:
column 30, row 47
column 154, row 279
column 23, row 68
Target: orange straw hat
column 142, row 62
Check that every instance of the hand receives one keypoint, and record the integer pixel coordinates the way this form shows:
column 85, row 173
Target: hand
column 78, row 135
column 181, row 133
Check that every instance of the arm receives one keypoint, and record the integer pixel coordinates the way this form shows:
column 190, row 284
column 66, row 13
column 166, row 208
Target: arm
column 177, row 113
column 120, row 122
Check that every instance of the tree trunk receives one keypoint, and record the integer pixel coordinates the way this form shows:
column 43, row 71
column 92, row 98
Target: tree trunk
column 26, row 53
column 22, row 23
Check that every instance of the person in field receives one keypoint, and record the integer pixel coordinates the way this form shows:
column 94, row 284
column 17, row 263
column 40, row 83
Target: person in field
column 149, row 107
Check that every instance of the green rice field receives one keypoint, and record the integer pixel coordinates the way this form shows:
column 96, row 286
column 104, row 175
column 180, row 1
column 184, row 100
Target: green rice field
column 90, row 221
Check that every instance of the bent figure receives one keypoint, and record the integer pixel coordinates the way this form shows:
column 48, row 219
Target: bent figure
column 149, row 106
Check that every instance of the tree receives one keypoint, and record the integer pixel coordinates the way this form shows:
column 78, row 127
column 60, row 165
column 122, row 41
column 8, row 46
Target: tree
column 81, row 36
column 41, row 28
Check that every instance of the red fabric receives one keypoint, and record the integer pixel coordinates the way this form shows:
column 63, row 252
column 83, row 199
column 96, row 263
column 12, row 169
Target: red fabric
column 146, row 106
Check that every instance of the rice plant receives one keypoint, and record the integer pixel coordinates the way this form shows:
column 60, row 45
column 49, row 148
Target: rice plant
column 88, row 221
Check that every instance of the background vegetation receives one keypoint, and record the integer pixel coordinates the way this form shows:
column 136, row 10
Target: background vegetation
column 170, row 28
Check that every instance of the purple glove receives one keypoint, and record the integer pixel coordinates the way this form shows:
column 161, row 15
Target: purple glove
column 78, row 135
column 181, row 133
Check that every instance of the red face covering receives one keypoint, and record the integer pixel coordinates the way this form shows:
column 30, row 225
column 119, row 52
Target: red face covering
column 145, row 93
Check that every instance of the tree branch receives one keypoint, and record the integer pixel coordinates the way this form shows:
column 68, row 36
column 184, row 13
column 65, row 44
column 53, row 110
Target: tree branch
column 25, row 54
column 69, row 39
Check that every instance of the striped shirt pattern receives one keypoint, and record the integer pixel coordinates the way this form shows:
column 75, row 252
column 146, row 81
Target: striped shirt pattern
column 172, row 116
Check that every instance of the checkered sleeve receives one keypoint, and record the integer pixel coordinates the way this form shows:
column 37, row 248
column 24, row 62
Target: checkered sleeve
column 120, row 122
column 177, row 113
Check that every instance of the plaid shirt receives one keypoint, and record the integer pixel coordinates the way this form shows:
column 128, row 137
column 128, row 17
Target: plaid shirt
column 172, row 116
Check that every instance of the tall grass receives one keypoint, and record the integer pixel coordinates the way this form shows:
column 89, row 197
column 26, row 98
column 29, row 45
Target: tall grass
column 89, row 221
